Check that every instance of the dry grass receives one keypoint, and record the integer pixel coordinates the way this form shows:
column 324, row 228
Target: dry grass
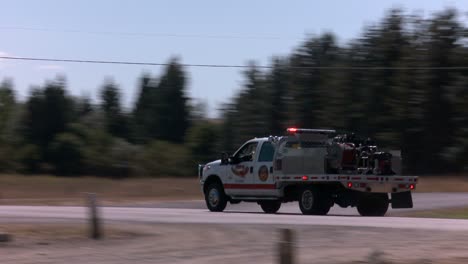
column 443, row 184
column 31, row 190
column 19, row 189
column 46, row 234
column 229, row 244
column 451, row 213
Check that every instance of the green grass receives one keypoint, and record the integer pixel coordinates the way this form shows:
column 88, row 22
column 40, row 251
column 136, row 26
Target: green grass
column 453, row 213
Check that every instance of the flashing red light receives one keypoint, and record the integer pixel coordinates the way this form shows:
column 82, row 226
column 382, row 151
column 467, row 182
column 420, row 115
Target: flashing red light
column 411, row 186
column 350, row 184
column 305, row 178
column 292, row 130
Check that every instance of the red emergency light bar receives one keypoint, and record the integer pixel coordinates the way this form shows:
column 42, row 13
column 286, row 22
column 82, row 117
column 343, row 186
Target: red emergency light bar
column 293, row 130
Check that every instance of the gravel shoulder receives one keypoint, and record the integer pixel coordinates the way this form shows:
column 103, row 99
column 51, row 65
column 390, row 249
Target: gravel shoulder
column 201, row 243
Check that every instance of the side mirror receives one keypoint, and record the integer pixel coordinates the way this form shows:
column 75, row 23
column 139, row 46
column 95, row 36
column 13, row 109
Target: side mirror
column 224, row 158
column 233, row 160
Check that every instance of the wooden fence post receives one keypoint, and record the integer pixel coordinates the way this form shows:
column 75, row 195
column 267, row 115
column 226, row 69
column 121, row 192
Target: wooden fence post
column 94, row 223
column 286, row 247
column 4, row 237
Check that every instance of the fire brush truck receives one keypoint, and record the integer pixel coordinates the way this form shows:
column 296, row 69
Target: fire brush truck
column 315, row 167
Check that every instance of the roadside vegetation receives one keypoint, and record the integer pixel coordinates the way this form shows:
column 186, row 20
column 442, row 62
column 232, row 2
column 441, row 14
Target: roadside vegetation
column 52, row 190
column 414, row 98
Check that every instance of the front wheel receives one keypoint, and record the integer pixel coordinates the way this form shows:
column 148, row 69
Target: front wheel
column 215, row 198
column 270, row 207
column 373, row 205
column 314, row 202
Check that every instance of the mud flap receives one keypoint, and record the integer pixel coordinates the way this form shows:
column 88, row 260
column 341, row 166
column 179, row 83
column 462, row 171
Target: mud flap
column 402, row 200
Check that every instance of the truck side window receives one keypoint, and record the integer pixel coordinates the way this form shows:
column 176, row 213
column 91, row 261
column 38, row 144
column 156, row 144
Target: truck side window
column 247, row 152
column 266, row 152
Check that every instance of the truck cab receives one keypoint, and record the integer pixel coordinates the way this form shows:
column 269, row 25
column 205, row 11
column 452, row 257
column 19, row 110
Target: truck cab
column 248, row 172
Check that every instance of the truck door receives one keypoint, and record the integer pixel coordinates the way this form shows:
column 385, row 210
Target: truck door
column 263, row 171
column 240, row 171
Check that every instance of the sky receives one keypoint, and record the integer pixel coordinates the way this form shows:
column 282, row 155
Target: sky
column 198, row 32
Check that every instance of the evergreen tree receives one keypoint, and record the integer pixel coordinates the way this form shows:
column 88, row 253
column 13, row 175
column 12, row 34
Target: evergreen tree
column 116, row 121
column 144, row 113
column 7, row 105
column 48, row 112
column 277, row 101
column 171, row 108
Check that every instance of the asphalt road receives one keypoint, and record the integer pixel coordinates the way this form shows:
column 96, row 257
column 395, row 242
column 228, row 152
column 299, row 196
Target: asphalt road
column 42, row 214
column 422, row 201
column 244, row 213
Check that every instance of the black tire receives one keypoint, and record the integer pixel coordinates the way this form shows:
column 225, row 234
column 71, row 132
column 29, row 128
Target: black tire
column 270, row 207
column 215, row 198
column 373, row 205
column 314, row 202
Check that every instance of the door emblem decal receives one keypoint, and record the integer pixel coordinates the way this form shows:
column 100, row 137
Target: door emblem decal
column 240, row 170
column 263, row 173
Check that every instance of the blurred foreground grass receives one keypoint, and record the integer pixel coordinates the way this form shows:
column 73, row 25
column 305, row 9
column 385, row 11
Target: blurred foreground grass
column 55, row 233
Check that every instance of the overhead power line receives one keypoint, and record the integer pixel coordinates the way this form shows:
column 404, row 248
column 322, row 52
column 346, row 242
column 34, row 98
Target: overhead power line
column 230, row 65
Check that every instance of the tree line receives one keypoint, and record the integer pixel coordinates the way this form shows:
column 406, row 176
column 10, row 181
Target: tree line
column 54, row 132
column 402, row 82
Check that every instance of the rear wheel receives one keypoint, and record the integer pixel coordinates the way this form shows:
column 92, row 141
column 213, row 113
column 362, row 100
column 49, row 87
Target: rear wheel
column 270, row 207
column 314, row 202
column 373, row 205
column 215, row 197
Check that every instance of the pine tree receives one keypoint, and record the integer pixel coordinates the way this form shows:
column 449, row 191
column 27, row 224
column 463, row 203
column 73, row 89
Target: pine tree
column 116, row 121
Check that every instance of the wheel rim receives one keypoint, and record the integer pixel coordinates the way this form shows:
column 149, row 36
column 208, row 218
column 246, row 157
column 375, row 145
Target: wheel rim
column 213, row 197
column 307, row 199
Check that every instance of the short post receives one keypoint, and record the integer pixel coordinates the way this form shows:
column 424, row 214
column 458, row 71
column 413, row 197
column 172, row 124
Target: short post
column 286, row 247
column 94, row 224
column 4, row 237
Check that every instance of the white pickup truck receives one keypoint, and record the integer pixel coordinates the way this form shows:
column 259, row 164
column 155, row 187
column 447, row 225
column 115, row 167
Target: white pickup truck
column 308, row 166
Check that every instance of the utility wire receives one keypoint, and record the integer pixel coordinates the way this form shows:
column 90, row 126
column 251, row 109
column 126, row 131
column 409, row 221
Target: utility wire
column 230, row 65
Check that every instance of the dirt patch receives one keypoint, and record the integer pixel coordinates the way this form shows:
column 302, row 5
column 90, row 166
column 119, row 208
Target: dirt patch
column 170, row 243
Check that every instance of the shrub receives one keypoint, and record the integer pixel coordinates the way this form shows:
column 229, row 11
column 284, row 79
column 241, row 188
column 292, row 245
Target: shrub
column 66, row 152
column 160, row 158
